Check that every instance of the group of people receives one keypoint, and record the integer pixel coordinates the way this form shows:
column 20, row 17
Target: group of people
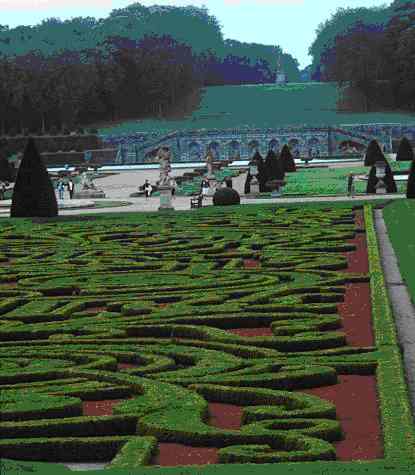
column 60, row 186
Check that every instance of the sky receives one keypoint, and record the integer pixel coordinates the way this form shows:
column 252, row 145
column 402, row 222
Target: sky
column 290, row 24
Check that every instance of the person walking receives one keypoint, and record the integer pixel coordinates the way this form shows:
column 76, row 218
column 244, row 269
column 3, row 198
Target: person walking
column 148, row 189
column 228, row 182
column 60, row 187
column 350, row 185
column 173, row 186
column 71, row 188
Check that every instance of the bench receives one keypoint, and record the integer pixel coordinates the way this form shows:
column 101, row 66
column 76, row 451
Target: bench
column 196, row 202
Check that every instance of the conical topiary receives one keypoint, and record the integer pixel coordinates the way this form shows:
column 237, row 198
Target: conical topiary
column 287, row 159
column 373, row 154
column 405, row 151
column 410, row 187
column 372, row 181
column 389, row 180
column 33, row 193
column 271, row 165
column 262, row 178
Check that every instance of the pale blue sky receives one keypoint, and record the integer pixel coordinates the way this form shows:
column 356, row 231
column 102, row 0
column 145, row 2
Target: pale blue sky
column 288, row 23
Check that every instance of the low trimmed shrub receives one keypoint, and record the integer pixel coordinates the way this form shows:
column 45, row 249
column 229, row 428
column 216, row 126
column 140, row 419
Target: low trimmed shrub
column 226, row 196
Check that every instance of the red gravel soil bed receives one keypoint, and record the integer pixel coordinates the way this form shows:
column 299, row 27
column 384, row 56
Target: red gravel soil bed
column 251, row 331
column 9, row 284
column 99, row 408
column 357, row 410
column 251, row 263
column 126, row 365
column 356, row 314
column 171, row 455
column 94, row 310
column 356, row 309
column 224, row 416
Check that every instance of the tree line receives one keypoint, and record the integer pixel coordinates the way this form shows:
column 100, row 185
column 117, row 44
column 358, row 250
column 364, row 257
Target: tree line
column 371, row 51
column 138, row 62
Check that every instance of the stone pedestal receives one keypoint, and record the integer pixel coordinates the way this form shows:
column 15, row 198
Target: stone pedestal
column 213, row 183
column 254, row 187
column 165, row 198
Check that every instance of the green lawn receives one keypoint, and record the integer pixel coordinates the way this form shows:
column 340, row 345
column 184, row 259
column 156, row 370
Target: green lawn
column 90, row 293
column 400, row 221
column 259, row 106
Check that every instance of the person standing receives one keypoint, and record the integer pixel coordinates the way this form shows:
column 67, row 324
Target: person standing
column 71, row 187
column 2, row 190
column 148, row 189
column 350, row 185
column 205, row 187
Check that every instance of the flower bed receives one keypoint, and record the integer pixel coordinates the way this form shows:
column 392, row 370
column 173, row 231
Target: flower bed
column 134, row 339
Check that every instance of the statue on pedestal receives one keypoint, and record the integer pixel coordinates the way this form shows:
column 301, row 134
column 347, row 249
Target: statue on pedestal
column 87, row 182
column 164, row 185
column 209, row 164
column 164, row 156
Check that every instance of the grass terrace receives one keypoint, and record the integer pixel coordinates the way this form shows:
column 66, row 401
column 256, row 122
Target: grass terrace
column 243, row 335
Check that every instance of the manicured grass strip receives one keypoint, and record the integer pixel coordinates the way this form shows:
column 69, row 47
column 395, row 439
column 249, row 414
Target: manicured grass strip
column 396, row 414
column 382, row 317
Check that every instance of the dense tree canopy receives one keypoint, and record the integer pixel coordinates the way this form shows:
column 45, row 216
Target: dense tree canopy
column 370, row 50
column 139, row 61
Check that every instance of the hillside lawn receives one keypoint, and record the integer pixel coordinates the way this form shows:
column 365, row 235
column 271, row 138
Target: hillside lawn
column 259, row 106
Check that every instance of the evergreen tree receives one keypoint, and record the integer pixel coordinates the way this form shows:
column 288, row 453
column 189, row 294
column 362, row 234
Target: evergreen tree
column 410, row 188
column 287, row 159
column 405, row 152
column 373, row 154
column 33, row 193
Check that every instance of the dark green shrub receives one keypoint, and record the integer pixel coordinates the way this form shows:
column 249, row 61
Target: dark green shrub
column 373, row 154
column 389, row 180
column 405, row 151
column 287, row 160
column 93, row 131
column 33, row 193
column 226, row 196
column 6, row 170
column 410, row 188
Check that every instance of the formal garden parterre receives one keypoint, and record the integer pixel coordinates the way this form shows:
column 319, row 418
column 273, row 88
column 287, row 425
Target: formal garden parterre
column 253, row 335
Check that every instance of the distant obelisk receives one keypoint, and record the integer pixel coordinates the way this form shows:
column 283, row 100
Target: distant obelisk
column 281, row 77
